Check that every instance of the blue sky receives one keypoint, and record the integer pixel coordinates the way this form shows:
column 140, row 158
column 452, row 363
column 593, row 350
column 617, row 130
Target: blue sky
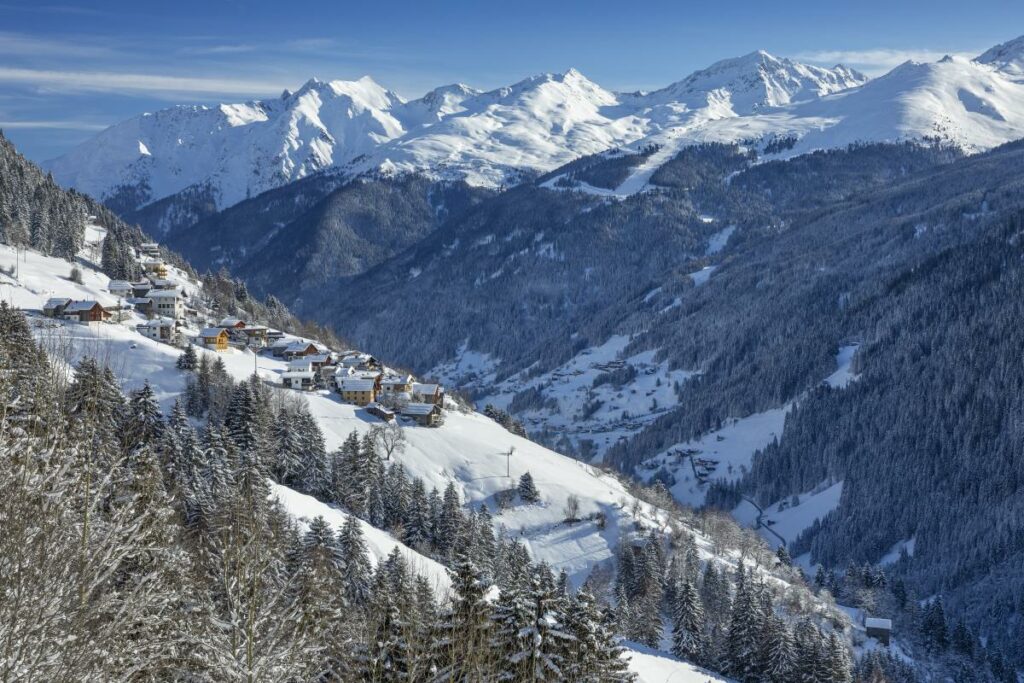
column 68, row 70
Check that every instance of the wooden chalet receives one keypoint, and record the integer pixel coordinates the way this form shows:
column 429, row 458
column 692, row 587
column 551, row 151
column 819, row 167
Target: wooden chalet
column 423, row 414
column 232, row 323
column 86, row 312
column 215, row 338
column 300, row 348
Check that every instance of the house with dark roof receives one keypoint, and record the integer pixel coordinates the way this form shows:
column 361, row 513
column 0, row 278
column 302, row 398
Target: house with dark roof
column 423, row 414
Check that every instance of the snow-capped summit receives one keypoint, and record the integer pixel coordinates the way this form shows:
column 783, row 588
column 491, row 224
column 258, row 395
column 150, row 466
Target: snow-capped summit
column 539, row 123
column 1007, row 58
column 758, row 80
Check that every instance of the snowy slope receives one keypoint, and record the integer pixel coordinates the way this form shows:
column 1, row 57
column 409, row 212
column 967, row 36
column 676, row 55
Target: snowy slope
column 1007, row 58
column 469, row 449
column 651, row 666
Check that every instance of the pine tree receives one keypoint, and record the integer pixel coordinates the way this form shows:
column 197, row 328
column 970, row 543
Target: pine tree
column 778, row 655
column 449, row 524
column 741, row 640
column 188, row 360
column 688, row 624
column 464, row 649
column 527, row 490
column 357, row 570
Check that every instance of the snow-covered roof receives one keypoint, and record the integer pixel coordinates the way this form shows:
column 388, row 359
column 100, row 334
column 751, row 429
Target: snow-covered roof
column 379, row 408
column 118, row 285
column 418, row 408
column 230, row 322
column 80, row 306
column 356, row 384
column 396, row 379
column 56, row 302
column 876, row 622
column 211, row 332
column 299, row 364
column 319, row 358
column 157, row 322
column 426, row 389
column 301, row 346
column 139, row 300
column 164, row 293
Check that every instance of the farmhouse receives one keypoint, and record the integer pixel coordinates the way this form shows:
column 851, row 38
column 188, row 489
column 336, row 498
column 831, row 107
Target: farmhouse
column 142, row 304
column 168, row 303
column 232, row 323
column 255, row 335
column 160, row 329
column 86, row 312
column 428, row 393
column 424, row 414
column 54, row 308
column 879, row 629
column 215, row 338
column 361, row 361
column 358, row 391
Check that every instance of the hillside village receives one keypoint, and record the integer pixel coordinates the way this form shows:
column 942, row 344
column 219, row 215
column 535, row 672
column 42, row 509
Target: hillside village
column 172, row 312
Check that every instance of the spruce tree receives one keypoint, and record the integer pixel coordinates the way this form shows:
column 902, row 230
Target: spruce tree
column 528, row 492
column 688, row 624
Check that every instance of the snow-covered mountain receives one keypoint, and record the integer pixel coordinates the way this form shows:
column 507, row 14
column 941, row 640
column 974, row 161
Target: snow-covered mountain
column 487, row 138
column 493, row 138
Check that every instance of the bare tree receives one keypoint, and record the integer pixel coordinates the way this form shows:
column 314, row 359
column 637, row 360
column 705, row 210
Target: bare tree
column 390, row 437
column 572, row 508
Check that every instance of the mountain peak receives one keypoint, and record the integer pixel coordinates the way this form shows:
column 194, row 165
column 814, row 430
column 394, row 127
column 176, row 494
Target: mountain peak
column 1007, row 58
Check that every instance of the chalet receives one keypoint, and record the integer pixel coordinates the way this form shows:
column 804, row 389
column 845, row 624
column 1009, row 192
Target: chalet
column 396, row 384
column 215, row 338
column 86, row 312
column 141, row 288
column 150, row 249
column 358, row 391
column 299, row 379
column 54, row 308
column 300, row 348
column 428, row 393
column 120, row 288
column 232, row 323
column 161, row 329
column 339, row 373
column 274, row 335
column 879, row 629
column 302, row 364
column 379, row 411
column 424, row 414
column 168, row 303
column 155, row 267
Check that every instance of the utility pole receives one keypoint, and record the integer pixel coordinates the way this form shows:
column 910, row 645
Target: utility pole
column 508, row 461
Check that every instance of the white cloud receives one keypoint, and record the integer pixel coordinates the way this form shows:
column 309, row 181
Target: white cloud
column 118, row 82
column 22, row 45
column 52, row 125
column 877, row 61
